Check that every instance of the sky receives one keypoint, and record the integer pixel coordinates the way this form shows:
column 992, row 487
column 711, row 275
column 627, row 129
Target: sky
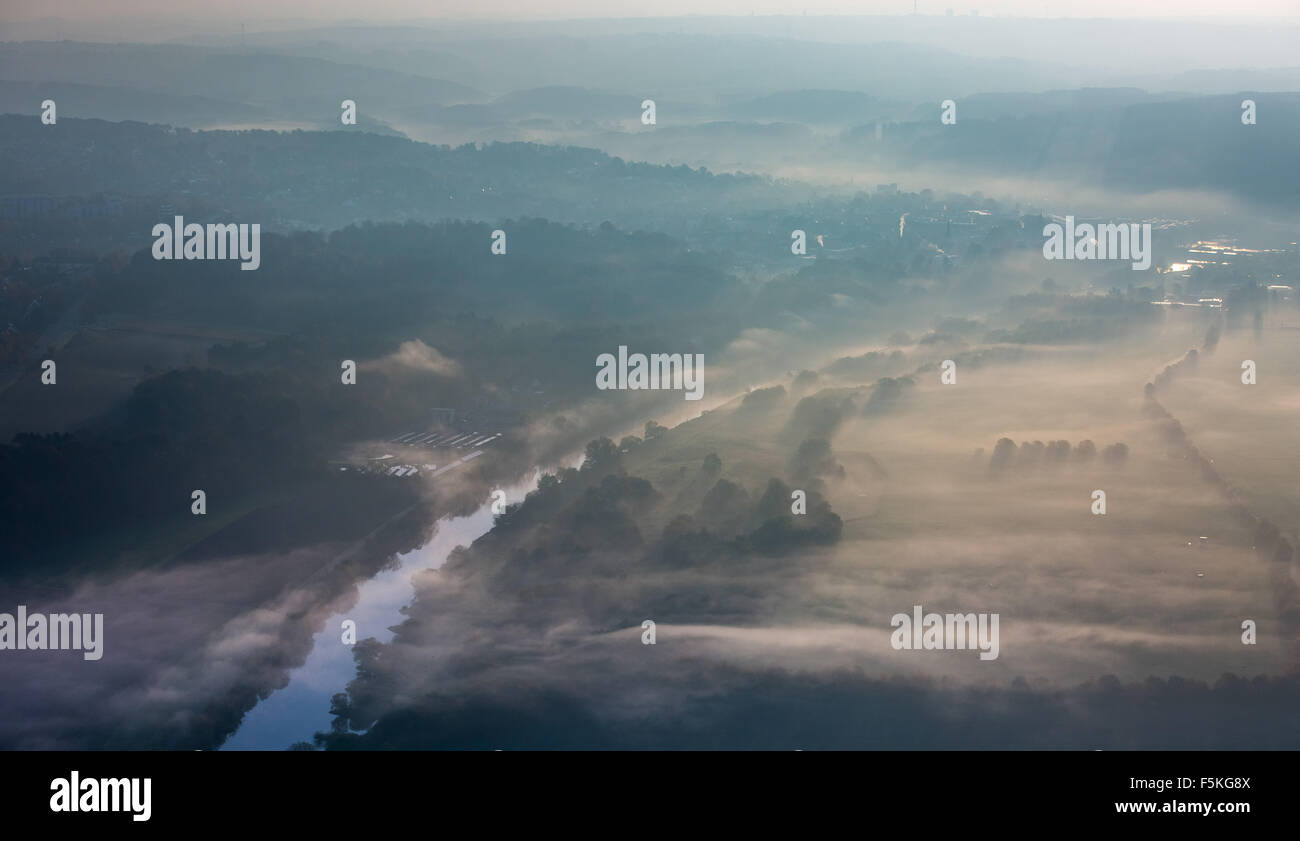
column 531, row 9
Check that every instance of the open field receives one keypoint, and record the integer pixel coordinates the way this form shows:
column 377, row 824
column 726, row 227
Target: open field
column 927, row 521
column 1248, row 430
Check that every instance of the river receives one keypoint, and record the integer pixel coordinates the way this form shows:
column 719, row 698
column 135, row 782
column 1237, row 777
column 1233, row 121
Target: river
column 297, row 711
column 301, row 709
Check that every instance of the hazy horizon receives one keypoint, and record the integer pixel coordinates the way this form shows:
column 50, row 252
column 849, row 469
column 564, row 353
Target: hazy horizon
column 518, row 10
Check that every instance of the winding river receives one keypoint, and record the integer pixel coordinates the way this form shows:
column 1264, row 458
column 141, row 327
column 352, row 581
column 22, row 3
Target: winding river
column 297, row 711
column 301, row 709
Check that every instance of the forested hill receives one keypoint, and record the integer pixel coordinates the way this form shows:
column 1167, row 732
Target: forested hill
column 430, row 323
column 331, row 179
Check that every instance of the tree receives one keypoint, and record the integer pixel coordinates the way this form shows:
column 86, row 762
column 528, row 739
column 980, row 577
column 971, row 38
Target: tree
column 1115, row 453
column 1004, row 452
column 600, row 453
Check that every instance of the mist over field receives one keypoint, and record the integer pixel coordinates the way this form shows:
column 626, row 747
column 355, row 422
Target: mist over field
column 622, row 382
